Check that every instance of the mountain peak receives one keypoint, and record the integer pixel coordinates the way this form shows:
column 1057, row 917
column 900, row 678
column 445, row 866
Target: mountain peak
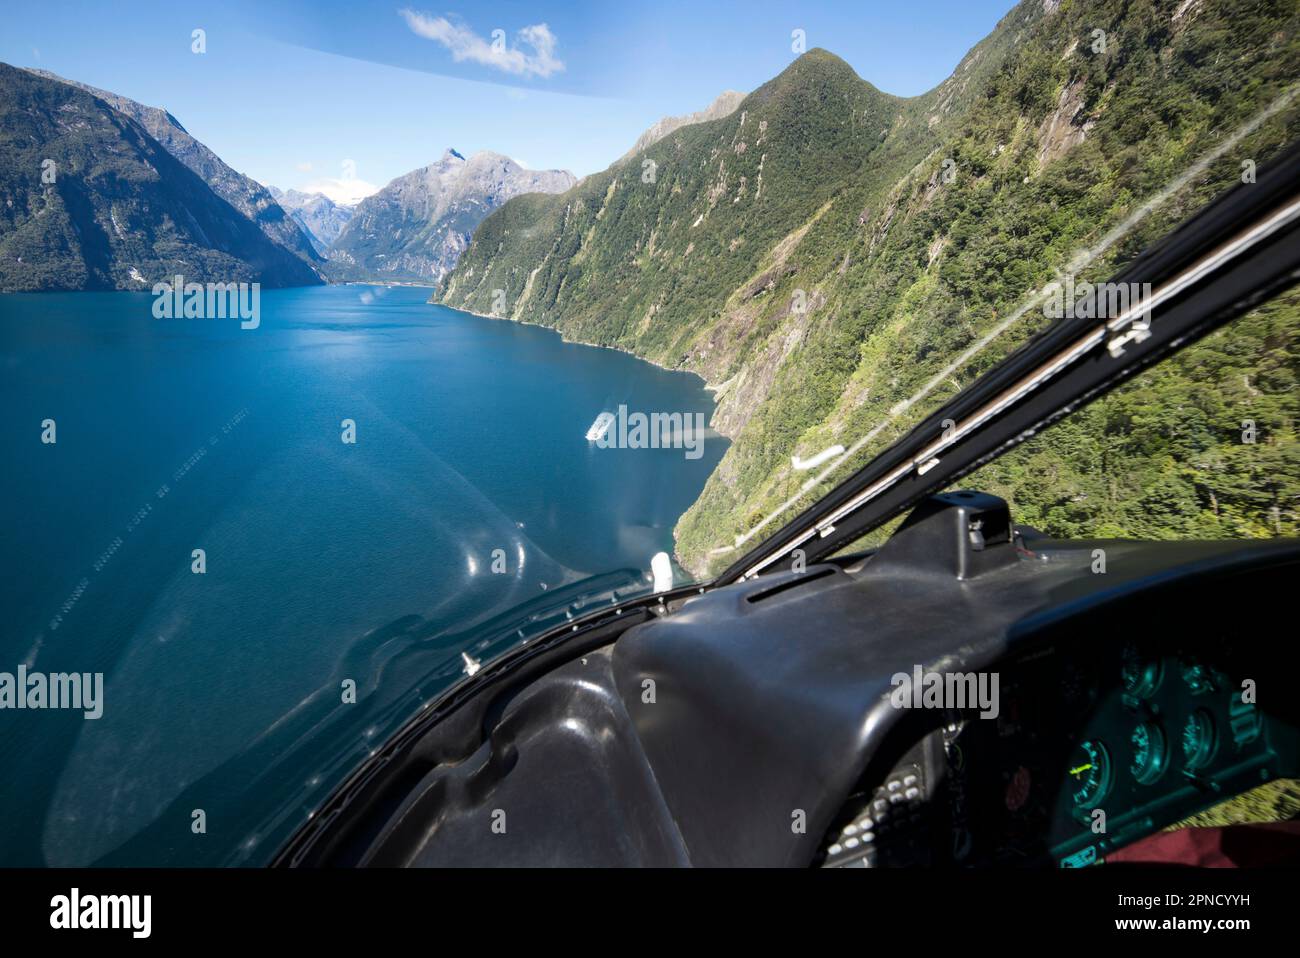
column 416, row 227
column 822, row 62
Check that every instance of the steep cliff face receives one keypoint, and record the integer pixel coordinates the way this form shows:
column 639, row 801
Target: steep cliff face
column 417, row 226
column 244, row 194
column 824, row 254
column 647, row 254
column 90, row 200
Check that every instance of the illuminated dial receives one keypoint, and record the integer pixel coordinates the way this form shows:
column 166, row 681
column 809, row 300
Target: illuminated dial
column 1199, row 678
column 1150, row 753
column 1141, row 676
column 1199, row 740
column 1091, row 774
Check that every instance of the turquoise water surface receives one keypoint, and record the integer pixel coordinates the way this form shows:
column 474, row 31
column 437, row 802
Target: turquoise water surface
column 327, row 563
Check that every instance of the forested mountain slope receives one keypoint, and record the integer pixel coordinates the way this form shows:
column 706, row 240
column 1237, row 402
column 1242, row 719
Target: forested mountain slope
column 888, row 235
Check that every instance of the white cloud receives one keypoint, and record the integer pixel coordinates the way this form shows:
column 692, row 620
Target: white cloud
column 304, row 167
column 465, row 44
column 346, row 191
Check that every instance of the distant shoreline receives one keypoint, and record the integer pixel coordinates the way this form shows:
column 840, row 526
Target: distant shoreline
column 707, row 386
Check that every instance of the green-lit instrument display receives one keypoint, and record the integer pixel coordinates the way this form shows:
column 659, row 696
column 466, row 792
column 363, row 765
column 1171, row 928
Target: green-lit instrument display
column 1199, row 740
column 1141, row 675
column 1150, row 753
column 1091, row 769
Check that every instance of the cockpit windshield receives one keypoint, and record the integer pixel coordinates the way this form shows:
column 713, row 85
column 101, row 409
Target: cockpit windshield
column 303, row 425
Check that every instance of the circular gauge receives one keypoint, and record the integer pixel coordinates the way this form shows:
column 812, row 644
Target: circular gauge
column 1150, row 753
column 1141, row 676
column 1199, row 740
column 1199, row 678
column 1092, row 774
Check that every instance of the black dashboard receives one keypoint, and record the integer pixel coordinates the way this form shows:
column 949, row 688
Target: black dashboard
column 950, row 699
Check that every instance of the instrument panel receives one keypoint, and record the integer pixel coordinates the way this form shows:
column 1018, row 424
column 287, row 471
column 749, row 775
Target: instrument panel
column 1100, row 740
column 1108, row 747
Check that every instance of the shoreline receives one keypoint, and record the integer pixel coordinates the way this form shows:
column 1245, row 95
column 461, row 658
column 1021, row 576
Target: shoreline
column 708, row 387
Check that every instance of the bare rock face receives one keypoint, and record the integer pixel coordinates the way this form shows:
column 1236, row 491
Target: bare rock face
column 316, row 214
column 724, row 105
column 91, row 200
column 417, row 226
column 1066, row 127
column 244, row 194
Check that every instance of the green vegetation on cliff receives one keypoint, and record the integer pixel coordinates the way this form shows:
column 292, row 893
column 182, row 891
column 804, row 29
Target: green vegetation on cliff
column 639, row 255
column 889, row 235
column 1203, row 446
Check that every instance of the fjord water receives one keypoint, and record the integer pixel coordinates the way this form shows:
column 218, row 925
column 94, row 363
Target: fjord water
column 326, row 562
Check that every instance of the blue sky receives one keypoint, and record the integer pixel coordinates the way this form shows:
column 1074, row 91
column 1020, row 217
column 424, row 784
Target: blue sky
column 289, row 92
